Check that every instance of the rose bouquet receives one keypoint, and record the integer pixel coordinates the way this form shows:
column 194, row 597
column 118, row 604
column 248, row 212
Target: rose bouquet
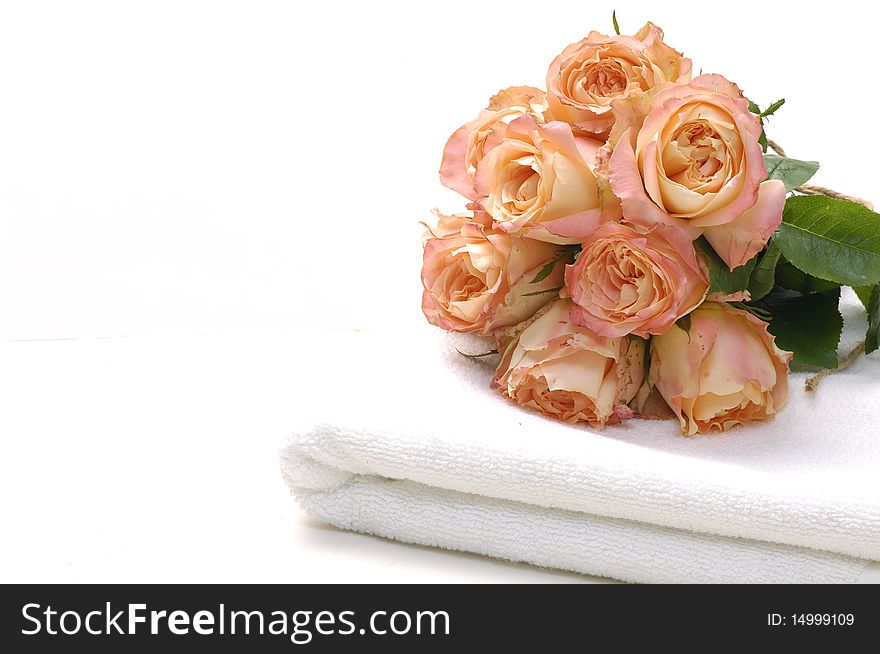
column 638, row 247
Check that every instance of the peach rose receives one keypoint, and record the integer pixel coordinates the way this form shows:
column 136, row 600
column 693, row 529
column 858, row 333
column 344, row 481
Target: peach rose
column 568, row 372
column 588, row 75
column 538, row 181
column 467, row 145
column 724, row 371
column 690, row 156
column 624, row 282
column 476, row 279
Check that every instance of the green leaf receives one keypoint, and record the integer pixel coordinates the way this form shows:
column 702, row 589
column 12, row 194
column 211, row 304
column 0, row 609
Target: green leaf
column 769, row 111
column 614, row 20
column 808, row 325
column 789, row 277
column 755, row 109
column 864, row 294
column 721, row 278
column 792, row 172
column 831, row 239
column 873, row 335
column 549, row 290
column 763, row 276
column 544, row 273
column 564, row 253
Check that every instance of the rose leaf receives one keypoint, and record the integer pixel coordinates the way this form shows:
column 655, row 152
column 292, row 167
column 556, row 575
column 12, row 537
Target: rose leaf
column 763, row 276
column 792, row 279
column 566, row 254
column 808, row 325
column 872, row 338
column 831, row 239
column 769, row 111
column 791, row 172
column 721, row 278
column 864, row 294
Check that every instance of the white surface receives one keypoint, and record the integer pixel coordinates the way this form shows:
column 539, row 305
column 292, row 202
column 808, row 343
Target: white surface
column 476, row 471
column 171, row 169
column 156, row 460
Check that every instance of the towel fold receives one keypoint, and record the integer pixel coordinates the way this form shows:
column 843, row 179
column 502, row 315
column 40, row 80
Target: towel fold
column 400, row 436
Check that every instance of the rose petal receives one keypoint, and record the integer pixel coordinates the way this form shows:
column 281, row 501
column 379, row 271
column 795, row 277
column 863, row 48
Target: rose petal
column 453, row 167
column 739, row 241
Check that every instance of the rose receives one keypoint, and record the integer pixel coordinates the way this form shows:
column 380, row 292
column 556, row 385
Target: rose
column 723, row 371
column 624, row 282
column 690, row 156
column 588, row 75
column 538, row 181
column 466, row 146
column 477, row 279
column 568, row 372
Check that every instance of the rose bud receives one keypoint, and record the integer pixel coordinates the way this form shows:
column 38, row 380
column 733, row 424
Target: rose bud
column 725, row 370
column 624, row 282
column 568, row 372
column 477, row 279
column 467, row 145
column 588, row 75
column 539, row 181
column 690, row 156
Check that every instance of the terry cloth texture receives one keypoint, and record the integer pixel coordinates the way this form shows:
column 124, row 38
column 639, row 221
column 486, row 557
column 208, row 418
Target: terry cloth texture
column 398, row 435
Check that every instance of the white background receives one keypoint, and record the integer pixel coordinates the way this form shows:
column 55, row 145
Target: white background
column 187, row 186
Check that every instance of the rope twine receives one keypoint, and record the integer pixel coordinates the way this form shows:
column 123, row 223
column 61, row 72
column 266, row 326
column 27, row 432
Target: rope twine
column 812, row 382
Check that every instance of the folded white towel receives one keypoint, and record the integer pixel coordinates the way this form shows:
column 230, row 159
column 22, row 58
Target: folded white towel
column 401, row 437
